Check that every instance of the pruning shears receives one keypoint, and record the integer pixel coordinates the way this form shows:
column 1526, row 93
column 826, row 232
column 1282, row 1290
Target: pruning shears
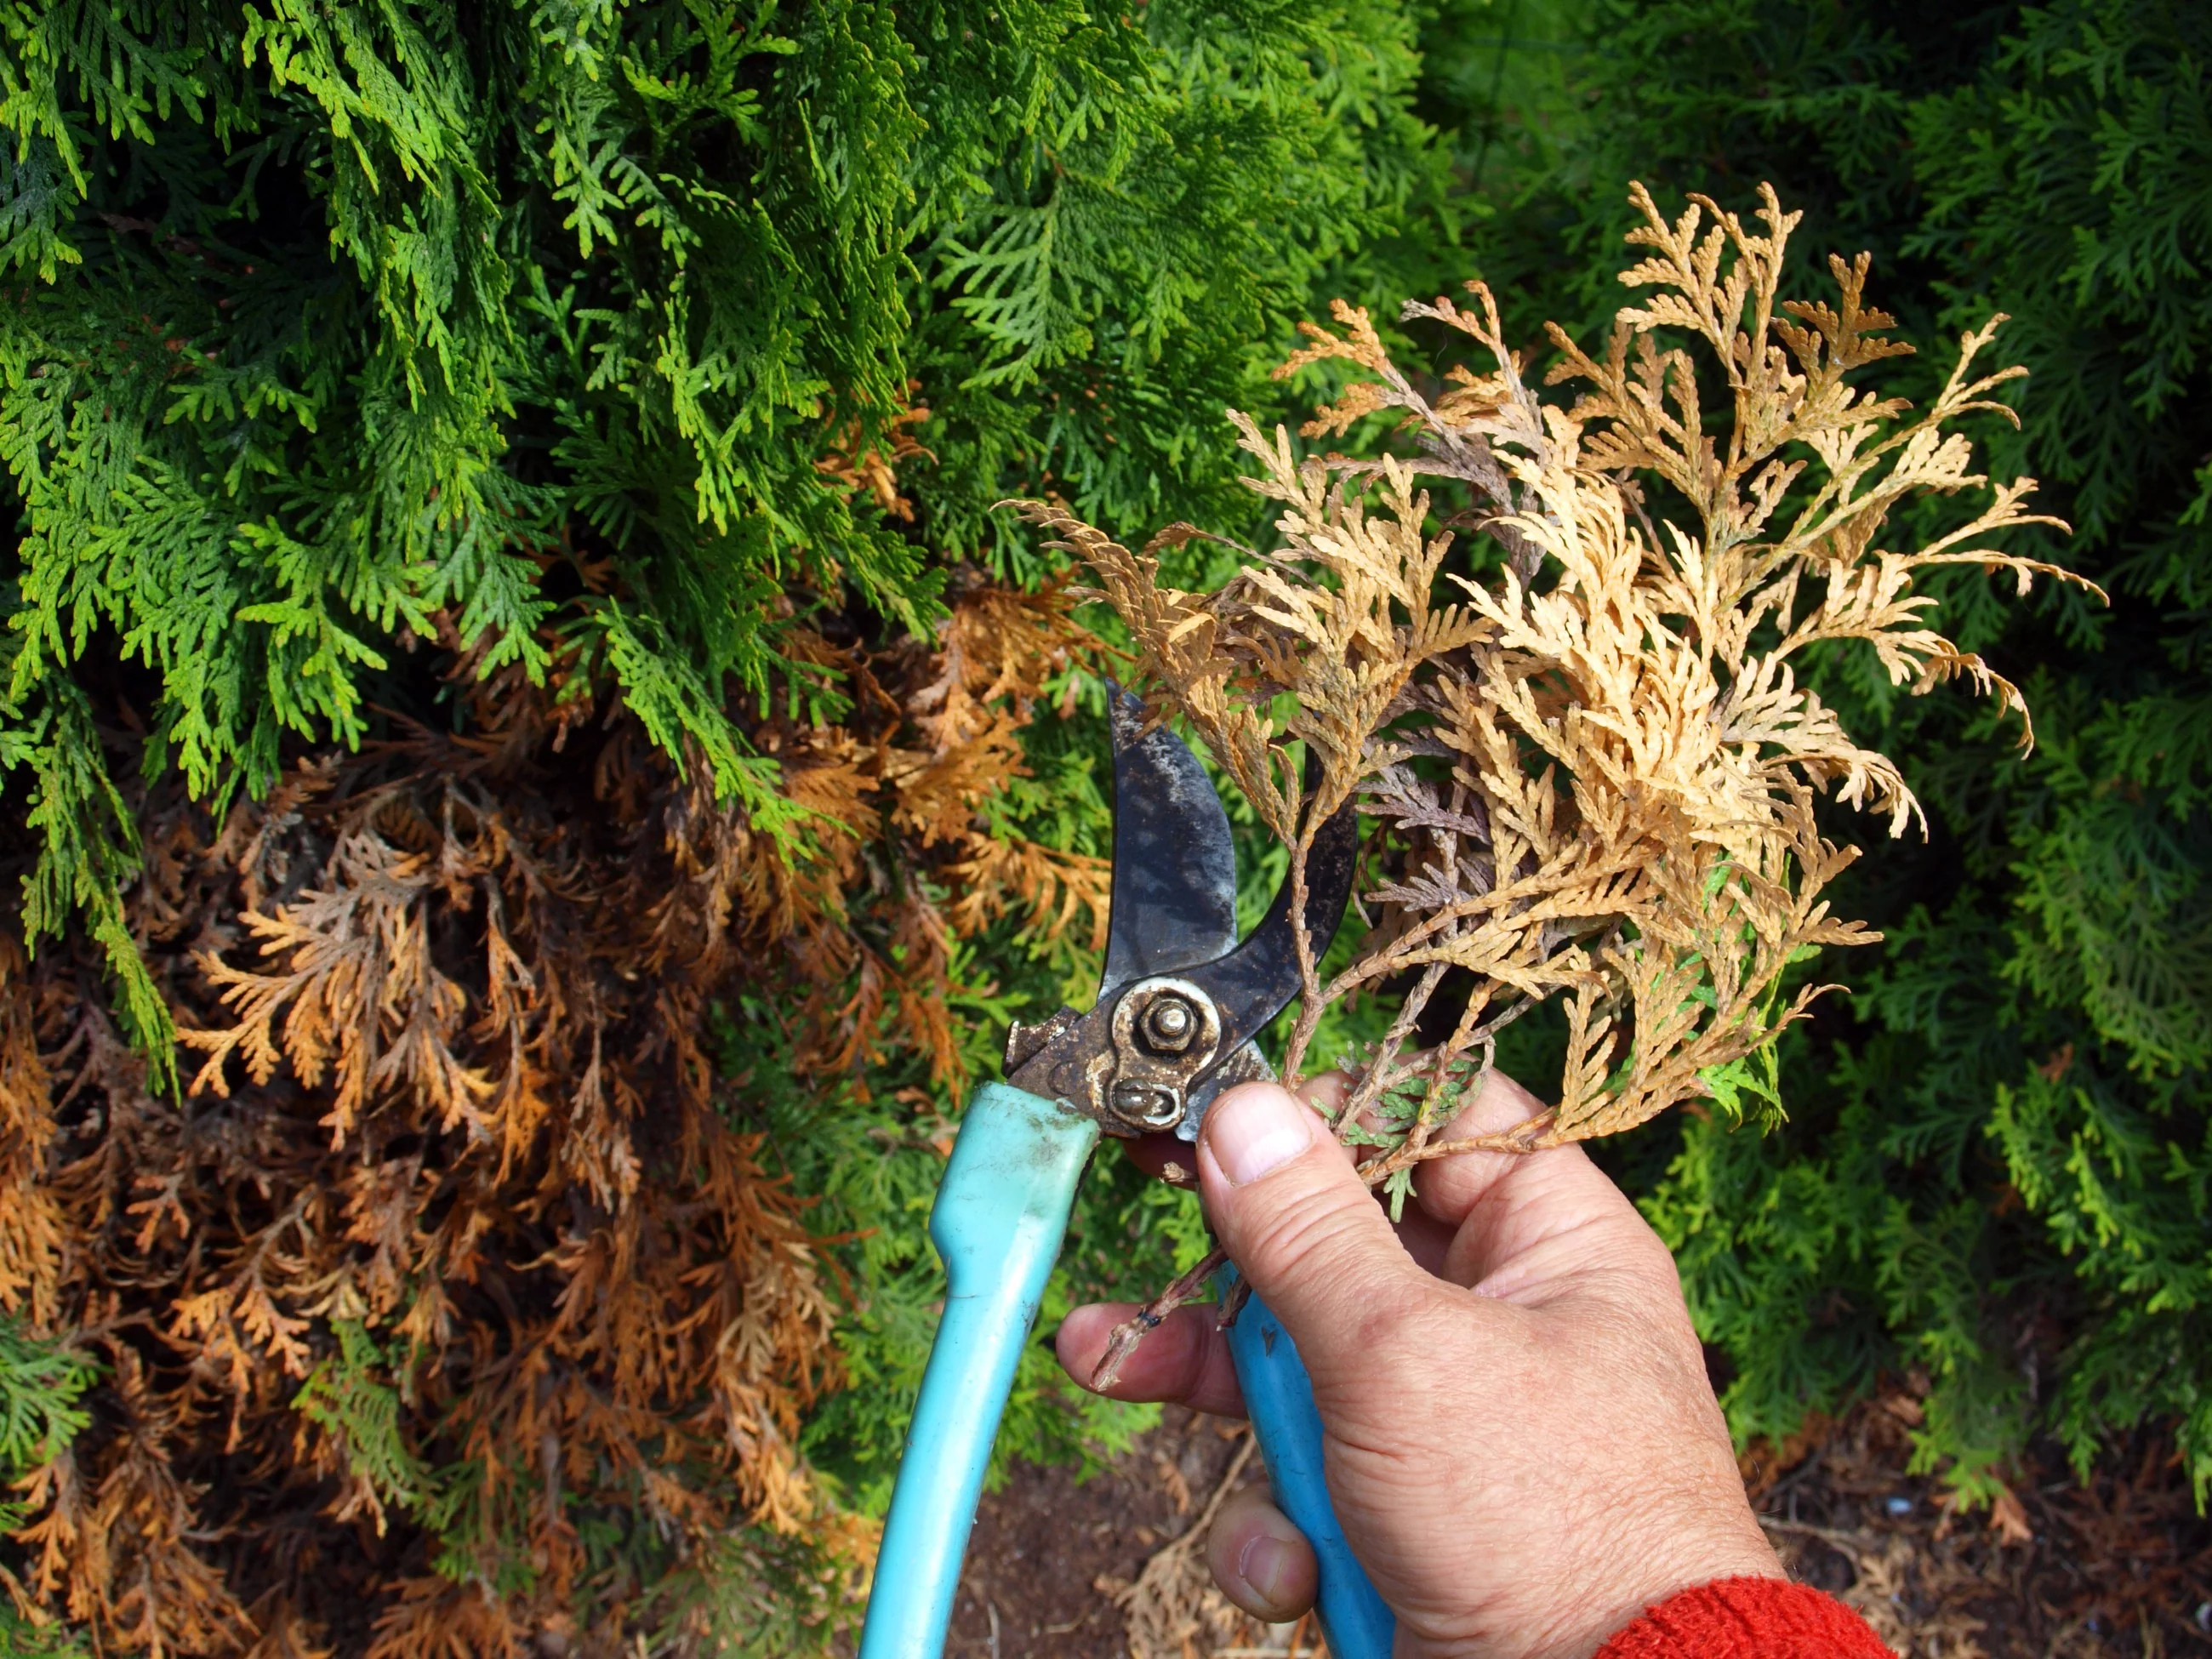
column 1179, row 1004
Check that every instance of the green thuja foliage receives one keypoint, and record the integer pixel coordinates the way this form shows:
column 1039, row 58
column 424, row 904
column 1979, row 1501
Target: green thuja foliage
column 21, row 1639
column 350, row 1397
column 41, row 1385
column 328, row 330
column 1998, row 1155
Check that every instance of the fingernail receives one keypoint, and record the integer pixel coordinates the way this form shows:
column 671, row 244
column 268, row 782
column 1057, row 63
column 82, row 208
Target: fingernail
column 1267, row 1565
column 1253, row 1130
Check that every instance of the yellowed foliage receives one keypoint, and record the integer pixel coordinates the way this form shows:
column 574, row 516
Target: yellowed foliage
column 1589, row 762
column 853, row 464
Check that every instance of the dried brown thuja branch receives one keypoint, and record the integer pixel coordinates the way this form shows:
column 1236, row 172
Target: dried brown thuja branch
column 1589, row 767
column 463, row 1248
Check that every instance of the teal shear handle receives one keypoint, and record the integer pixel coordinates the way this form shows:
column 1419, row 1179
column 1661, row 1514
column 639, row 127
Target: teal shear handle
column 999, row 1218
column 997, row 1222
column 1354, row 1621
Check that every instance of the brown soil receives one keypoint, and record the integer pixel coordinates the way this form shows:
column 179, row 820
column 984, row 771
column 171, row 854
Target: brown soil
column 2121, row 1567
column 1050, row 1551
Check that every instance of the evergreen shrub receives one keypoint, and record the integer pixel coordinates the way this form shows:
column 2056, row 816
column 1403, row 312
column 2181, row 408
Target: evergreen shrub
column 1993, row 1186
column 533, row 773
column 503, row 512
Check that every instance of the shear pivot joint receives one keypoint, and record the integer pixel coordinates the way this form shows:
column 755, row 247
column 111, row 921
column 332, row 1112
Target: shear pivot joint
column 1165, row 1032
column 1131, row 1070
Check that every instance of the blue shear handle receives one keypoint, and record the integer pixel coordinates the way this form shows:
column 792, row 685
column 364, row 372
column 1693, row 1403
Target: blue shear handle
column 1354, row 1621
column 1000, row 1214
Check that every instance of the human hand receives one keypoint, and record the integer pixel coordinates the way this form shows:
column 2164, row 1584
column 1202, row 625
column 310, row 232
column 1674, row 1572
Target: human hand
column 1520, row 1440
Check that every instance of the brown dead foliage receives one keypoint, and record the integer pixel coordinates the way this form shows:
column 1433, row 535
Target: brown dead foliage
column 1174, row 1609
column 1588, row 757
column 451, row 1248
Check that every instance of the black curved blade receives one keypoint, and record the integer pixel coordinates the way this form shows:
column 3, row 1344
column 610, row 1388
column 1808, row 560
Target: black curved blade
column 1175, row 866
column 1252, row 984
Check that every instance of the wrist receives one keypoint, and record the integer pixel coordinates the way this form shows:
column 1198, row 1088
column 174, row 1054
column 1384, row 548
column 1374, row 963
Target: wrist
column 1661, row 1555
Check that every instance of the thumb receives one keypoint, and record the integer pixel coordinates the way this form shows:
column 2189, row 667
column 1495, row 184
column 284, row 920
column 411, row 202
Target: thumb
column 1302, row 1226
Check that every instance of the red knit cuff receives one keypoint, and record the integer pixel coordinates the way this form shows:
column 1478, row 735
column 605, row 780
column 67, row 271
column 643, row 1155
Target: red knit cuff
column 1747, row 1619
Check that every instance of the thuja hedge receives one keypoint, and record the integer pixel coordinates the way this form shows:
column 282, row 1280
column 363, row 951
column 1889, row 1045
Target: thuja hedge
column 406, row 376
column 327, row 323
column 1994, row 1184
column 504, row 491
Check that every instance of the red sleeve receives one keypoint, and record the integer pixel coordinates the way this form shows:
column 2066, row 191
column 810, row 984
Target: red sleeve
column 1747, row 1619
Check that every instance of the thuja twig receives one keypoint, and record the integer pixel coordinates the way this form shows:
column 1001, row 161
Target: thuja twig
column 1131, row 1330
column 1311, row 998
column 1531, row 1134
column 1380, row 1075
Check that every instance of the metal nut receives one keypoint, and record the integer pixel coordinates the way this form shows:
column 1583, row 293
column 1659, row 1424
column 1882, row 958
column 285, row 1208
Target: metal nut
column 1168, row 1024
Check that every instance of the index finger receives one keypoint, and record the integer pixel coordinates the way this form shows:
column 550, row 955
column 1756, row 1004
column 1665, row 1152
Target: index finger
column 1184, row 1358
